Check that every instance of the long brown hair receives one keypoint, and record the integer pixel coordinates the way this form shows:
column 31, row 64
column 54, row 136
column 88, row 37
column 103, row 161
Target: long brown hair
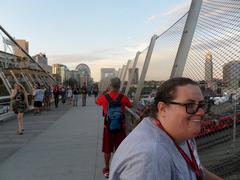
column 24, row 93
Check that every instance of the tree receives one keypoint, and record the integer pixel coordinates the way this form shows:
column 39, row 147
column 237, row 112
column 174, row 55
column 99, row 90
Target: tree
column 70, row 82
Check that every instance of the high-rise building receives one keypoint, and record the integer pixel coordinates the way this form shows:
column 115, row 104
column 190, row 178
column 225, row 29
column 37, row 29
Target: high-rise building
column 24, row 45
column 231, row 74
column 208, row 67
column 107, row 72
column 61, row 70
column 41, row 58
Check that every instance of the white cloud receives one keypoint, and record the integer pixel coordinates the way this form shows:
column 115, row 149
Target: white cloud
column 152, row 18
column 136, row 48
column 179, row 9
column 174, row 12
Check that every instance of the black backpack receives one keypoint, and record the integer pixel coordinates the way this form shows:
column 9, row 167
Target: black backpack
column 114, row 115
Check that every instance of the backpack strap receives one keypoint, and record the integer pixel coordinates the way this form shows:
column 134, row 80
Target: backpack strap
column 109, row 99
column 118, row 99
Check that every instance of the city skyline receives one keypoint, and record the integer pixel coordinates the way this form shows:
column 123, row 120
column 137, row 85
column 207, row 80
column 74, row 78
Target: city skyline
column 94, row 33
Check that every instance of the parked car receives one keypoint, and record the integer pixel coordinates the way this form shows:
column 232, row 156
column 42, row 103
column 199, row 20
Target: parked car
column 146, row 99
column 3, row 109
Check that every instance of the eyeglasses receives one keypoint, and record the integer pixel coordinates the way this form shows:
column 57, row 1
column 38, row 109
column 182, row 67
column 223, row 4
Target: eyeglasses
column 192, row 108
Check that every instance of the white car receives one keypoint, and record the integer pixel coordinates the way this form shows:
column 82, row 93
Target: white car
column 3, row 109
column 146, row 100
column 220, row 100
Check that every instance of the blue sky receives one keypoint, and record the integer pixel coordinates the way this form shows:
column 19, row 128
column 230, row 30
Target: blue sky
column 98, row 33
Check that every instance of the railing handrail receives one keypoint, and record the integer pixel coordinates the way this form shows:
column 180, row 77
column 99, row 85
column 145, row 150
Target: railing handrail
column 135, row 115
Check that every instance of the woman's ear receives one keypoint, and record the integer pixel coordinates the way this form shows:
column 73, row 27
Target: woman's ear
column 161, row 108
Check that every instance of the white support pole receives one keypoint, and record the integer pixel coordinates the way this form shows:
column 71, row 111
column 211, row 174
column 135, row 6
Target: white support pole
column 119, row 73
column 124, row 75
column 132, row 73
column 123, row 72
column 38, row 79
column 42, row 79
column 33, row 82
column 16, row 80
column 5, row 82
column 186, row 39
column 145, row 68
column 27, row 81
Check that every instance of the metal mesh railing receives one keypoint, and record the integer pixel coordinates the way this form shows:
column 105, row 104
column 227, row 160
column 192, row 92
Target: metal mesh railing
column 214, row 61
column 164, row 52
column 162, row 59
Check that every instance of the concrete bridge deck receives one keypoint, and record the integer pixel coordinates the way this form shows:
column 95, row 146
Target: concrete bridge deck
column 61, row 144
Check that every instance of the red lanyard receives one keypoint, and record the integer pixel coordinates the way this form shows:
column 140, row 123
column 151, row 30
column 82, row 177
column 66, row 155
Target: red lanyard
column 192, row 163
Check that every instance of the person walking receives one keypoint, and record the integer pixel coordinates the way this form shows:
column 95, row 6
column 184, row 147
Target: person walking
column 95, row 90
column 162, row 146
column 56, row 92
column 19, row 103
column 84, row 94
column 75, row 95
column 113, row 103
column 69, row 94
column 38, row 94
column 63, row 94
column 47, row 98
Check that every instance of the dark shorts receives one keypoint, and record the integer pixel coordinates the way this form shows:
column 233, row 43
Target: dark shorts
column 111, row 141
column 37, row 103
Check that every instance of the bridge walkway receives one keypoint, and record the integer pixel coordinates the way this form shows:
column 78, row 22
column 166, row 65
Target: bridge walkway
column 61, row 144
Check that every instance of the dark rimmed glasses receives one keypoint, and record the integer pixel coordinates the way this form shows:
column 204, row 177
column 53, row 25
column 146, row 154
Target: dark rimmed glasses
column 192, row 108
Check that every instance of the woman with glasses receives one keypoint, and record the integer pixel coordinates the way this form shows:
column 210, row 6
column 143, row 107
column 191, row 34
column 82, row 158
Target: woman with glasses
column 19, row 103
column 162, row 146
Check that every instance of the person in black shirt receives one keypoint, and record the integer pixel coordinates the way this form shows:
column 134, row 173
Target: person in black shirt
column 75, row 96
column 84, row 94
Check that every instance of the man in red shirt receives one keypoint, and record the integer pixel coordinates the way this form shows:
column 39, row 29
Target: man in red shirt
column 112, row 140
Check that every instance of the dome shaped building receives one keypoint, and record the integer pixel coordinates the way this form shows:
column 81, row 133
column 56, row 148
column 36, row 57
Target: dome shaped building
column 83, row 69
column 85, row 74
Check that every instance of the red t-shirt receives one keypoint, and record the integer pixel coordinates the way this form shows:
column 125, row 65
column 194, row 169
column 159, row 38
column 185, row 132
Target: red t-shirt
column 101, row 100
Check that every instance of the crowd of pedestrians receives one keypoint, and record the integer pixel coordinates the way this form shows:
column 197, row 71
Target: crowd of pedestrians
column 43, row 96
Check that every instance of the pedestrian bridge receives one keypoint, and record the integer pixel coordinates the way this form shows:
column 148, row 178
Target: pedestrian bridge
column 65, row 143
